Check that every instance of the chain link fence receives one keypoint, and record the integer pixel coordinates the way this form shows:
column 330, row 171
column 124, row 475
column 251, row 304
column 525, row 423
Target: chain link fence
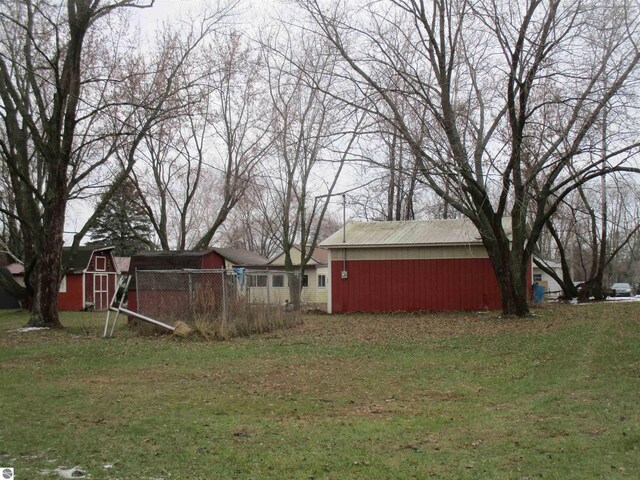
column 217, row 303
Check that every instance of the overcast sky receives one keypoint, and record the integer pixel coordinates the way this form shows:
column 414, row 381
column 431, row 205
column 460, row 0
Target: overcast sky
column 247, row 11
column 250, row 14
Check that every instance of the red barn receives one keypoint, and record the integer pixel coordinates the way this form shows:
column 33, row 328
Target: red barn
column 410, row 266
column 90, row 279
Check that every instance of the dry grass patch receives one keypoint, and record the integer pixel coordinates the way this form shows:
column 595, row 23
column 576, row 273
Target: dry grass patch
column 422, row 325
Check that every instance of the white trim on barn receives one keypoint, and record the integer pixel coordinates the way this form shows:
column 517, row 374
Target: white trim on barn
column 329, row 284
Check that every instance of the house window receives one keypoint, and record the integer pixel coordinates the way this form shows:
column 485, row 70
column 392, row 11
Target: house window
column 63, row 285
column 322, row 281
column 537, row 277
column 258, row 281
column 277, row 281
column 101, row 264
column 305, row 280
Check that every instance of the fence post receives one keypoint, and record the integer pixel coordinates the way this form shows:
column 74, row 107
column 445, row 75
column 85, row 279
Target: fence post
column 190, row 294
column 224, row 298
column 268, row 306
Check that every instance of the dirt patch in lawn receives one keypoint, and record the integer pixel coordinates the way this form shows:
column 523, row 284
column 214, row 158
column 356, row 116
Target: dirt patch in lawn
column 383, row 327
column 319, row 376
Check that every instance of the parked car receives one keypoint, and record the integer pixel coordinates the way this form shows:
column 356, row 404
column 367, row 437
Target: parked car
column 622, row 290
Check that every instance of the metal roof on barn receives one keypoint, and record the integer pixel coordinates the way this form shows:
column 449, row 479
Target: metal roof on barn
column 408, row 233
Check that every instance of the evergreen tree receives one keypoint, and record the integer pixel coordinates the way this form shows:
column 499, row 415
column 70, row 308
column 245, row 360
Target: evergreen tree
column 124, row 224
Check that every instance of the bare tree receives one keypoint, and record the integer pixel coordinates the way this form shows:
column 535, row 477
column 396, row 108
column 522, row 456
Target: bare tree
column 253, row 225
column 10, row 237
column 41, row 87
column 589, row 253
column 69, row 106
column 198, row 165
column 313, row 137
column 624, row 231
column 241, row 126
column 491, row 76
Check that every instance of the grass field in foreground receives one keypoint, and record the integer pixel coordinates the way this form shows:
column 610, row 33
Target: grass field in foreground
column 456, row 395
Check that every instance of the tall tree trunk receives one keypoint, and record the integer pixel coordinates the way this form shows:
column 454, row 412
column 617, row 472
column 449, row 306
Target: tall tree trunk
column 569, row 290
column 598, row 286
column 511, row 270
column 44, row 310
column 294, row 281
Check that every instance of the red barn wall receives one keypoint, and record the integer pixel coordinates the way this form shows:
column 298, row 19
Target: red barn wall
column 412, row 285
column 132, row 300
column 72, row 299
column 110, row 264
column 212, row 260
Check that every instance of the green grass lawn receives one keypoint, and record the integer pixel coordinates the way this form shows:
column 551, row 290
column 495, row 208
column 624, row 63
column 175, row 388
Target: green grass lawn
column 453, row 395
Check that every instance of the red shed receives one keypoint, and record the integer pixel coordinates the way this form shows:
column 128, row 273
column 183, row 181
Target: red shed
column 168, row 260
column 410, row 266
column 90, row 279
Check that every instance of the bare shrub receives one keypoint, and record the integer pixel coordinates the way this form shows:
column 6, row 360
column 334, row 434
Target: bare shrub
column 241, row 319
column 215, row 303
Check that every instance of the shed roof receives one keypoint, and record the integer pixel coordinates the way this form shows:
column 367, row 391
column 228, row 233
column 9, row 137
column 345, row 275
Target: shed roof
column 239, row 256
column 548, row 261
column 173, row 253
column 189, row 259
column 167, row 260
column 408, row 233
column 82, row 256
column 320, row 256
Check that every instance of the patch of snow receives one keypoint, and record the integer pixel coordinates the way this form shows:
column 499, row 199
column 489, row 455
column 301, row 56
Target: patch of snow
column 608, row 300
column 30, row 329
column 74, row 472
column 624, row 299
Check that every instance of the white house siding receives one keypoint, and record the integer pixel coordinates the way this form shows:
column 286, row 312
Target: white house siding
column 551, row 287
column 312, row 295
column 322, row 293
